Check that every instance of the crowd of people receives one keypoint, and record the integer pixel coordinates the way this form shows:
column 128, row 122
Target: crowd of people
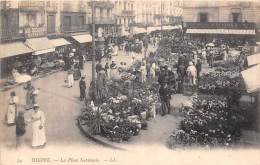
column 190, row 53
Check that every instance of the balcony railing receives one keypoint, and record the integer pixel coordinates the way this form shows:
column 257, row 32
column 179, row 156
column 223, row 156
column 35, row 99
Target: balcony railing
column 102, row 4
column 31, row 32
column 220, row 25
column 52, row 8
column 4, row 5
column 141, row 25
column 128, row 13
column 103, row 21
column 8, row 35
column 74, row 28
column 31, row 5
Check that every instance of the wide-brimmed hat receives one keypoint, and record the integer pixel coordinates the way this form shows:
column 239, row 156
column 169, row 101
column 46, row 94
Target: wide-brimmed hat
column 71, row 54
column 35, row 106
column 113, row 66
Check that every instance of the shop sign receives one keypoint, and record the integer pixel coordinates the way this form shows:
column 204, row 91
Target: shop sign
column 34, row 32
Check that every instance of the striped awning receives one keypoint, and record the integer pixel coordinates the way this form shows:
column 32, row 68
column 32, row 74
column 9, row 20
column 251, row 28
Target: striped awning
column 84, row 38
column 13, row 49
column 152, row 29
column 222, row 31
column 171, row 27
column 40, row 45
column 59, row 42
column 253, row 59
column 137, row 30
column 252, row 81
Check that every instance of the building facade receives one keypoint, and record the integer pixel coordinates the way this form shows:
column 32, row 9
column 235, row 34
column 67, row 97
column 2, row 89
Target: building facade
column 103, row 17
column 155, row 13
column 74, row 16
column 232, row 18
column 124, row 15
column 221, row 11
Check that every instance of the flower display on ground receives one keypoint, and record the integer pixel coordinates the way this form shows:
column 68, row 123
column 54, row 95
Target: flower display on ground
column 121, row 117
column 212, row 120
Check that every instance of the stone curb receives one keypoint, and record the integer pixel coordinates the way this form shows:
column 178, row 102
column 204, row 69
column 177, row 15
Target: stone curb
column 97, row 140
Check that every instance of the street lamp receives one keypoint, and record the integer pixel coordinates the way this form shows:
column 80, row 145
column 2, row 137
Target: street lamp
column 161, row 18
column 93, row 50
column 146, row 27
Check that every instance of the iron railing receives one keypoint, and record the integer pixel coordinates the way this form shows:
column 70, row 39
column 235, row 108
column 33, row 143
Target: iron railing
column 28, row 5
column 75, row 28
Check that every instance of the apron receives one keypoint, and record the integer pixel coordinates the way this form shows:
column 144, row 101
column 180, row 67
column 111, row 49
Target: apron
column 11, row 111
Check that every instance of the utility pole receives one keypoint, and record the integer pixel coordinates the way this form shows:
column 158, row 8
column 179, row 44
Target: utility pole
column 146, row 27
column 93, row 48
column 161, row 18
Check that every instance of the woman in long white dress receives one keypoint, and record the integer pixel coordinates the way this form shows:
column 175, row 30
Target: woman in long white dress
column 12, row 109
column 143, row 72
column 152, row 71
column 38, row 127
column 192, row 73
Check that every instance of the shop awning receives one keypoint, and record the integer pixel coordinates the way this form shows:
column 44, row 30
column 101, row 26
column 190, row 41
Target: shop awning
column 59, row 42
column 171, row 27
column 13, row 49
column 40, row 45
column 222, row 31
column 253, row 59
column 84, row 38
column 137, row 30
column 152, row 29
column 251, row 79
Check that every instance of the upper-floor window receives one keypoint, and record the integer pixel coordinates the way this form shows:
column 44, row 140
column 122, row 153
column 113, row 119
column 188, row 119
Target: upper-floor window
column 101, row 13
column 31, row 20
column 81, row 21
column 108, row 13
column 5, row 21
column 124, row 5
column 203, row 17
column 48, row 3
column 236, row 17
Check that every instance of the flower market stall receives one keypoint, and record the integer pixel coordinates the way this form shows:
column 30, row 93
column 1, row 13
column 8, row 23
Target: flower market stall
column 221, row 82
column 210, row 121
column 123, row 113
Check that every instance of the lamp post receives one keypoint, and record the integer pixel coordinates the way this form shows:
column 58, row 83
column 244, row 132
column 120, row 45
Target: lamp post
column 146, row 27
column 161, row 18
column 93, row 49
